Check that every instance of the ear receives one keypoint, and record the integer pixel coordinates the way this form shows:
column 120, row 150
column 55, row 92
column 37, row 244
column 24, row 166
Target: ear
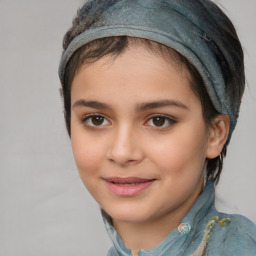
column 218, row 134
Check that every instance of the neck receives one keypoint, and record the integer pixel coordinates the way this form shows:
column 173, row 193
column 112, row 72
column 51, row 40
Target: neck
column 148, row 234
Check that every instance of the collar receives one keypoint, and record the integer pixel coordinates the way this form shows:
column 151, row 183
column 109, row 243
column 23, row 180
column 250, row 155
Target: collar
column 176, row 239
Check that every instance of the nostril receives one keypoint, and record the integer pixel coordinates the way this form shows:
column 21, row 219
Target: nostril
column 125, row 159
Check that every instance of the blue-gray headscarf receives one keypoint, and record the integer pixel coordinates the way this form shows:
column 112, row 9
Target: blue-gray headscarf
column 197, row 29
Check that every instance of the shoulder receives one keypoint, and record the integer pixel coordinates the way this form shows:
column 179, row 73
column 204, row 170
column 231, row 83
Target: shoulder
column 242, row 234
column 241, row 227
column 236, row 238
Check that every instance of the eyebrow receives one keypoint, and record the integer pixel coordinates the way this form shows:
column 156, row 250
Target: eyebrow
column 139, row 108
column 91, row 104
column 159, row 104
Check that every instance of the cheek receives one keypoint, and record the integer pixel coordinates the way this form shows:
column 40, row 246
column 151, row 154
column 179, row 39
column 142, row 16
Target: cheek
column 183, row 152
column 88, row 159
column 88, row 153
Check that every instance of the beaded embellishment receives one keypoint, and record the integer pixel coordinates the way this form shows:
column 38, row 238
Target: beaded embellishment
column 201, row 250
column 184, row 228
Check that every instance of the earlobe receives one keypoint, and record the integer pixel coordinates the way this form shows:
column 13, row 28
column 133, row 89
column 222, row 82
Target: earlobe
column 218, row 134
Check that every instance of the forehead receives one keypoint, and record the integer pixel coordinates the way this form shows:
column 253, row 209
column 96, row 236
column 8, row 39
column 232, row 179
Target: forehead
column 137, row 73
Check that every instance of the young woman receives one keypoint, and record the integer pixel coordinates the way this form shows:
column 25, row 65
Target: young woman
column 152, row 90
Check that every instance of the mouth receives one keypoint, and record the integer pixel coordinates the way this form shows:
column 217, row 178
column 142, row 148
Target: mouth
column 129, row 186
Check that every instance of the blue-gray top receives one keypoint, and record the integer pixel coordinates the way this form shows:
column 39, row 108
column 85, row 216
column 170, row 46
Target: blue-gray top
column 203, row 231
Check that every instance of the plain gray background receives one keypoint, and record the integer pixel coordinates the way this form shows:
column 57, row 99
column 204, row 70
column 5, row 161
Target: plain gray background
column 44, row 208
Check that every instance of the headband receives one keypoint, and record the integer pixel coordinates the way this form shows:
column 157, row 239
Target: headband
column 192, row 28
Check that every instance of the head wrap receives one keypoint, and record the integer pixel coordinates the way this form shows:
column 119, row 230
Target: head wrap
column 197, row 29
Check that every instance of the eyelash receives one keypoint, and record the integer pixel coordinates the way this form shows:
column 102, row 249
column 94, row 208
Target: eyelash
column 87, row 121
column 88, row 118
column 167, row 119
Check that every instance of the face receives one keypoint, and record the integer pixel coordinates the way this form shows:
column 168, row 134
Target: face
column 138, row 136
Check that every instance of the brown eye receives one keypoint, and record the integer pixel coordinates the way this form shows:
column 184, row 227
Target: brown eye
column 95, row 120
column 158, row 120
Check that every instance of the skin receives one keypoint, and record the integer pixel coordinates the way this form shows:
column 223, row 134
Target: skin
column 124, row 140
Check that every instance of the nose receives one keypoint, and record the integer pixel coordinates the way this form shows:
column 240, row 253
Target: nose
column 125, row 147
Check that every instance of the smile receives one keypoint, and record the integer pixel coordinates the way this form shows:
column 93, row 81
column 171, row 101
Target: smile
column 126, row 187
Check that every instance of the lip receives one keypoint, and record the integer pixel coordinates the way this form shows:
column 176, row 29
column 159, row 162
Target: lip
column 129, row 186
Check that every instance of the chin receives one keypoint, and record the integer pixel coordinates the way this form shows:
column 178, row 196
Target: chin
column 128, row 215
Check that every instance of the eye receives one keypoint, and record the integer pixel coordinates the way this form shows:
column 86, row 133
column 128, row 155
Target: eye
column 160, row 121
column 95, row 120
